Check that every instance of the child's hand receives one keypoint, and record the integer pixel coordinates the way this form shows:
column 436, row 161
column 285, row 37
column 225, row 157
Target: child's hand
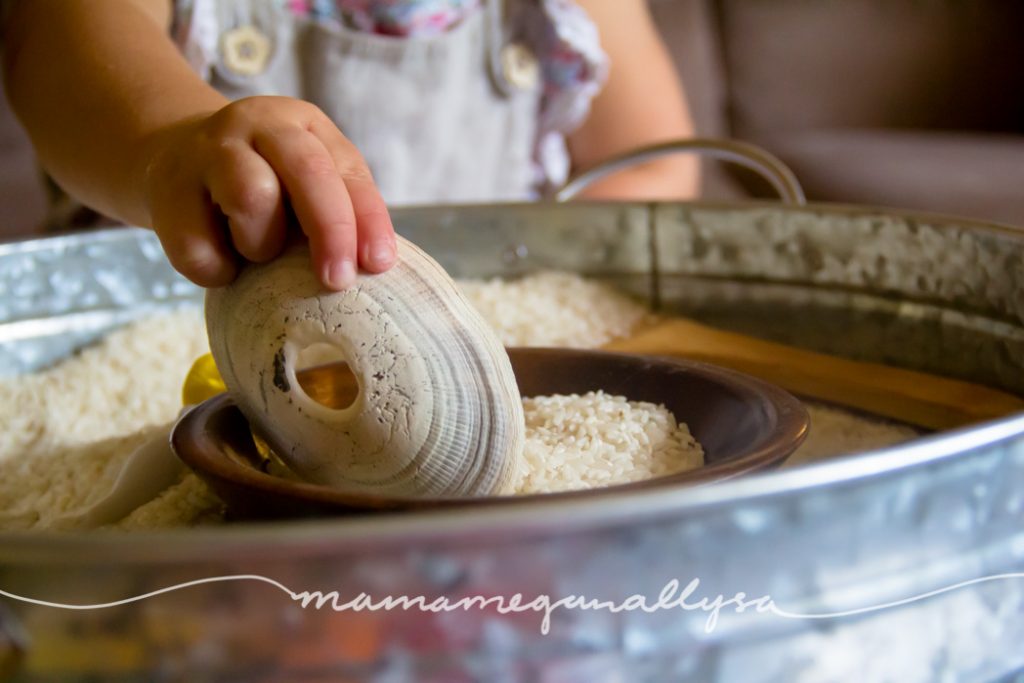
column 215, row 187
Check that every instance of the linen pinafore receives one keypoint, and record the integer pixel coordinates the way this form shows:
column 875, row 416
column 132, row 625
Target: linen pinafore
column 466, row 115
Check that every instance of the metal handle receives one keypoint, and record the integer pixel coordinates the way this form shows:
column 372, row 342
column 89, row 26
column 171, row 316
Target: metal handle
column 744, row 154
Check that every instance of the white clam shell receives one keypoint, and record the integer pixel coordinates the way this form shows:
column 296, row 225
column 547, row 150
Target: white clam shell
column 438, row 411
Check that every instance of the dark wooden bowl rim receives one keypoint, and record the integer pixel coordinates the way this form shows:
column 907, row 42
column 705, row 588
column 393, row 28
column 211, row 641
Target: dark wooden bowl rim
column 743, row 424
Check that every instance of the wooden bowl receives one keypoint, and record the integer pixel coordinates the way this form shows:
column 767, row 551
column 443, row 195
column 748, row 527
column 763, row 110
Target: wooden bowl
column 743, row 424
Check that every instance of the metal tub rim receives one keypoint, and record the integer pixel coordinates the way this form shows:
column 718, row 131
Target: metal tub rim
column 602, row 510
column 834, row 208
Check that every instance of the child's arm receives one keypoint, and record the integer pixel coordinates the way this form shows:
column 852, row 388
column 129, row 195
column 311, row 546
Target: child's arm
column 122, row 122
column 642, row 103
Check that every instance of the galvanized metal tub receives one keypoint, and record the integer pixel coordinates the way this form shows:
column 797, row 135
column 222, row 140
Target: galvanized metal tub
column 906, row 564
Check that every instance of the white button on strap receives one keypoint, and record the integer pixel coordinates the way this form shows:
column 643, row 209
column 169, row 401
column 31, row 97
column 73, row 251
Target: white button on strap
column 519, row 66
column 245, row 50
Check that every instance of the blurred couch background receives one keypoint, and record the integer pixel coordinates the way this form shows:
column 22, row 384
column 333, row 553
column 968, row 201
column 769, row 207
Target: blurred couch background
column 900, row 103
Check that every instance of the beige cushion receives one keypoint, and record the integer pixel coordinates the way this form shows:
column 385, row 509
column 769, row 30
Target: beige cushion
column 935, row 64
column 978, row 176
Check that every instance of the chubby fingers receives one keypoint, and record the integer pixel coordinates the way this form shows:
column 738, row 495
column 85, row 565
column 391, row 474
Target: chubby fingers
column 245, row 188
column 191, row 233
column 375, row 232
column 236, row 209
column 346, row 221
column 319, row 199
column 225, row 181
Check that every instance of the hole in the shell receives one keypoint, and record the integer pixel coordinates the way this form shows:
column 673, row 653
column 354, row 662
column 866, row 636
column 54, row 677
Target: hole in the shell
column 325, row 377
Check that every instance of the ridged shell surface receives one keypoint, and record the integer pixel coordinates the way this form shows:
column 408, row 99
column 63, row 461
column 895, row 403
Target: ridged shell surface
column 438, row 412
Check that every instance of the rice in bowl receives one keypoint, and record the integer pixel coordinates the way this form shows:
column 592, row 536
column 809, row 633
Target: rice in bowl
column 581, row 442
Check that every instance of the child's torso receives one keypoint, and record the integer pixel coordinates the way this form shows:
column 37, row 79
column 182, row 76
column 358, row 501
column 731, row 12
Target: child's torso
column 448, row 112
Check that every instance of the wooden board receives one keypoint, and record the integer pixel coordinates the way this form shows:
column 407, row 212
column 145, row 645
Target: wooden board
column 913, row 397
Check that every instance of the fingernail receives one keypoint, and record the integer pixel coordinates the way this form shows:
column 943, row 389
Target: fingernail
column 341, row 274
column 383, row 253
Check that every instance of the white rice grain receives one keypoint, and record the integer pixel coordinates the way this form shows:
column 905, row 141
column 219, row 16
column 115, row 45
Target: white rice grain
column 579, row 442
column 554, row 309
column 65, row 431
